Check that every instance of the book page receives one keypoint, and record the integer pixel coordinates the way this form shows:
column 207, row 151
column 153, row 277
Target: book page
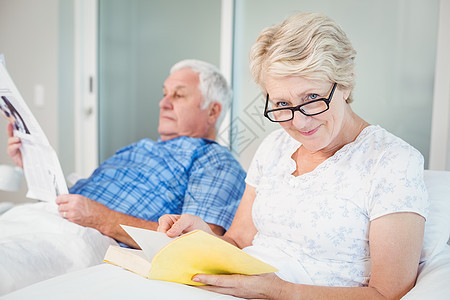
column 42, row 169
column 150, row 241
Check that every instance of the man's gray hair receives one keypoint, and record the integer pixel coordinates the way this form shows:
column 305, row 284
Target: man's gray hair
column 213, row 85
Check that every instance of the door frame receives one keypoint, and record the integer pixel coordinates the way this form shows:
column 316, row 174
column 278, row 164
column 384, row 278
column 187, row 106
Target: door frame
column 440, row 132
column 85, row 86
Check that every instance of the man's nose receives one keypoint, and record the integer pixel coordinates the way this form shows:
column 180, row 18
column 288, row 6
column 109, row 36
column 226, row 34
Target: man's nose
column 165, row 102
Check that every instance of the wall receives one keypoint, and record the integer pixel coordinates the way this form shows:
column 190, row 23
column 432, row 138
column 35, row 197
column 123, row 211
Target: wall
column 29, row 40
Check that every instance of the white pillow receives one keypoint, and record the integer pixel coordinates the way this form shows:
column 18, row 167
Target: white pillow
column 437, row 226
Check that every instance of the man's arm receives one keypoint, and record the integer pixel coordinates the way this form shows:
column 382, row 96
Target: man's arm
column 215, row 188
column 89, row 213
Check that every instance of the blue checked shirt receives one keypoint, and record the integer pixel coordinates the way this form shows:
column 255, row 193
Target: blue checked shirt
column 148, row 179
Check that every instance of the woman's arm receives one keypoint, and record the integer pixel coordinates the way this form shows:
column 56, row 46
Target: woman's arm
column 395, row 247
column 242, row 230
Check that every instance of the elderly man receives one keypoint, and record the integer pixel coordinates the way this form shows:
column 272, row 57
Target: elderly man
column 184, row 172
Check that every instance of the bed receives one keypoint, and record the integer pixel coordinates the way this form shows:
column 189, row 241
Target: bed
column 107, row 281
column 37, row 244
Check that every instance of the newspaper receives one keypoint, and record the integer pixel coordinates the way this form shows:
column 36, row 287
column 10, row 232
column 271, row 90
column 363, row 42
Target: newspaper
column 42, row 169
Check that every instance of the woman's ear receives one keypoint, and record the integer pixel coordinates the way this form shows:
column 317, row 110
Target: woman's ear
column 346, row 94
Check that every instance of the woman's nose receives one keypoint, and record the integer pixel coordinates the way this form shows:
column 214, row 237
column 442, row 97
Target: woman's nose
column 299, row 119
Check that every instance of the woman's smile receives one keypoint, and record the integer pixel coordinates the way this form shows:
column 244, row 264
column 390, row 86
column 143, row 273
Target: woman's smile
column 309, row 132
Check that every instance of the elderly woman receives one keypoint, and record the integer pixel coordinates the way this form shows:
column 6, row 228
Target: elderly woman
column 336, row 204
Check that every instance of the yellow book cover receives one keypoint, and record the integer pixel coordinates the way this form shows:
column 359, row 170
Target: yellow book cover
column 179, row 259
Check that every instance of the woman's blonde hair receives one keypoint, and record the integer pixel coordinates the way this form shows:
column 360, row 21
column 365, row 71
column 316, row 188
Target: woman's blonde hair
column 310, row 45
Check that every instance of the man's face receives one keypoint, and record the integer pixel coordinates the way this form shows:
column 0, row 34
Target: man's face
column 180, row 109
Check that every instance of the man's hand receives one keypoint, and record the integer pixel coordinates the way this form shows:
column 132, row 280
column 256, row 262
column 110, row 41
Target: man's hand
column 89, row 213
column 84, row 211
column 176, row 225
column 14, row 144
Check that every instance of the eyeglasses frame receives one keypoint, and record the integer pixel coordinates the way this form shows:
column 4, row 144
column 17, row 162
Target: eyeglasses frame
column 293, row 109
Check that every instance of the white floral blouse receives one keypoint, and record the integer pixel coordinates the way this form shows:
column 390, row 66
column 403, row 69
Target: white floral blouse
column 315, row 227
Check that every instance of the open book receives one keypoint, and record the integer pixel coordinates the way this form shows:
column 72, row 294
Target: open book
column 42, row 170
column 179, row 259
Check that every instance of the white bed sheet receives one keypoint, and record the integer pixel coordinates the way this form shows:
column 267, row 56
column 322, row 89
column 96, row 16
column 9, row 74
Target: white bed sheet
column 106, row 281
column 37, row 244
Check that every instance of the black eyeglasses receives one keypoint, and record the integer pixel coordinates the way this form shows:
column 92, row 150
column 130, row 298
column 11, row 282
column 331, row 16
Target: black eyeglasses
column 310, row 108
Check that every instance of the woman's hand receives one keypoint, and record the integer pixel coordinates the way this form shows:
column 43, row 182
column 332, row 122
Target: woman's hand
column 176, row 225
column 14, row 144
column 263, row 286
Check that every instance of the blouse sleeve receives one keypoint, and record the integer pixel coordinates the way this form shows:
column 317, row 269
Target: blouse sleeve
column 397, row 183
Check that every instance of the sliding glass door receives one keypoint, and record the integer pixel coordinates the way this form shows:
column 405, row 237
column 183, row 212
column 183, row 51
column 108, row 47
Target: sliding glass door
column 138, row 43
